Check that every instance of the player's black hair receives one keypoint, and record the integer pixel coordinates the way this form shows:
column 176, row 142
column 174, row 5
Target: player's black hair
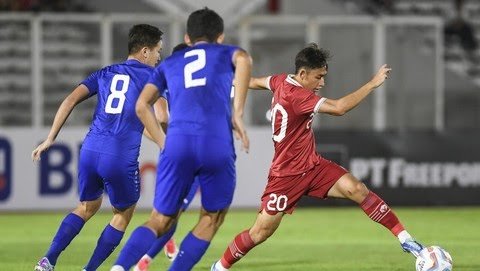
column 311, row 57
column 143, row 35
column 179, row 47
column 204, row 24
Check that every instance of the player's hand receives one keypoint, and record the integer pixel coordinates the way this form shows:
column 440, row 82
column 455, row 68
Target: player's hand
column 41, row 148
column 381, row 75
column 236, row 134
column 240, row 132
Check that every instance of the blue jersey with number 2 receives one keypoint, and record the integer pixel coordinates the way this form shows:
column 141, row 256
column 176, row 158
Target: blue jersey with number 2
column 199, row 144
column 199, row 81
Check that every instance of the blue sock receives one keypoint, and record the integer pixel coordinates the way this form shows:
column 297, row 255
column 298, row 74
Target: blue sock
column 190, row 252
column 107, row 242
column 160, row 242
column 70, row 227
column 137, row 245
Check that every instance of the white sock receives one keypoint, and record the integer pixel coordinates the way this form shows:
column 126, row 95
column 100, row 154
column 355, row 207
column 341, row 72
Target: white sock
column 147, row 257
column 219, row 267
column 404, row 236
column 117, row 268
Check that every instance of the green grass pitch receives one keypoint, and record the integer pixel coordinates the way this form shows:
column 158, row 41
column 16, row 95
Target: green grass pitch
column 310, row 239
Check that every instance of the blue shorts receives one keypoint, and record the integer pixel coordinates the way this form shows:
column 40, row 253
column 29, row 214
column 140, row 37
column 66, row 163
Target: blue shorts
column 118, row 175
column 191, row 194
column 210, row 161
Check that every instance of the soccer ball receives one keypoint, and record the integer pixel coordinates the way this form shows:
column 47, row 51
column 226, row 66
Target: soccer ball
column 434, row 258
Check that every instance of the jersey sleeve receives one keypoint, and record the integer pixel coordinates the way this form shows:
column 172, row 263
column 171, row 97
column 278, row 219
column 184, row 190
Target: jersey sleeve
column 164, row 95
column 306, row 102
column 91, row 82
column 230, row 50
column 157, row 78
column 273, row 82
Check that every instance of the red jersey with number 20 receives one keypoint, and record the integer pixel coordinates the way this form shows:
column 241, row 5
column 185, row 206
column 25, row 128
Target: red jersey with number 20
column 292, row 111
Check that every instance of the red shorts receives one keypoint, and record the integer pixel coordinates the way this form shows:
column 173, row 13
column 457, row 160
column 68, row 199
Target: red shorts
column 283, row 193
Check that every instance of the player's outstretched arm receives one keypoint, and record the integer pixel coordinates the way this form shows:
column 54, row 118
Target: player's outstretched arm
column 343, row 105
column 258, row 83
column 143, row 108
column 243, row 68
column 78, row 95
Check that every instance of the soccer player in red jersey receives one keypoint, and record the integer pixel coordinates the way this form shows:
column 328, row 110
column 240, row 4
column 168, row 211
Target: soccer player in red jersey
column 297, row 169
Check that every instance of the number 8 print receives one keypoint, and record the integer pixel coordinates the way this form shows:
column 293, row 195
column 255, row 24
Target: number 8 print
column 117, row 94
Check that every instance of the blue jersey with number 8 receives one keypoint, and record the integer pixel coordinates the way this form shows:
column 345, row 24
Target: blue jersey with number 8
column 115, row 127
column 199, row 81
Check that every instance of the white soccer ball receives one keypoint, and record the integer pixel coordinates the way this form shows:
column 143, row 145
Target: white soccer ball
column 434, row 258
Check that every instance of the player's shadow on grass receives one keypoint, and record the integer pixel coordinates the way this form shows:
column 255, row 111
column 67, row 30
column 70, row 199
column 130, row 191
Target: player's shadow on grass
column 267, row 265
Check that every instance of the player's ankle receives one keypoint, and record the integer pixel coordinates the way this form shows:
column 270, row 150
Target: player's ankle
column 403, row 236
column 219, row 266
column 146, row 257
column 117, row 268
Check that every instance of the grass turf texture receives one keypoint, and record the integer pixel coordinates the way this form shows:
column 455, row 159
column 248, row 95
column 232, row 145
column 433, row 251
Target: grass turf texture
column 310, row 239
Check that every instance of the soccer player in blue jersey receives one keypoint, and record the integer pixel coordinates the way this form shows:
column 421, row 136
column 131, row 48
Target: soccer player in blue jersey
column 109, row 154
column 199, row 142
column 166, row 241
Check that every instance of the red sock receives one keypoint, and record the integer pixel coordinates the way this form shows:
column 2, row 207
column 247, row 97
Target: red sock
column 380, row 212
column 240, row 246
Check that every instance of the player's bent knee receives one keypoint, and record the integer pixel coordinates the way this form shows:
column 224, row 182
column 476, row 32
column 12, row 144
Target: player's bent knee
column 218, row 221
column 212, row 219
column 357, row 192
column 361, row 189
column 124, row 211
column 122, row 217
column 87, row 209
column 160, row 223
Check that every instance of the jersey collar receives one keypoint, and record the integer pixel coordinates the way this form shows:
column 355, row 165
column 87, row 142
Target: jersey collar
column 292, row 81
column 200, row 42
column 133, row 61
